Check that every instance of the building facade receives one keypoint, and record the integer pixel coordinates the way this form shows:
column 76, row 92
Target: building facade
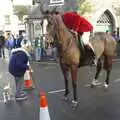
column 7, row 18
column 104, row 16
column 9, row 22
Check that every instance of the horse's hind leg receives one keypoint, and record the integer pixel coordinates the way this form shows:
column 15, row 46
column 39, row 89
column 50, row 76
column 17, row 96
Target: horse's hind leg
column 65, row 74
column 107, row 67
column 107, row 79
column 98, row 69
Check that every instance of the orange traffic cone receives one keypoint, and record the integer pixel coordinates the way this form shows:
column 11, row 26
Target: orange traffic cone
column 28, row 84
column 44, row 113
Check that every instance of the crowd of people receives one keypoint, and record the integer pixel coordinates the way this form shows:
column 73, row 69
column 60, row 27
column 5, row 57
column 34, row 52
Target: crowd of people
column 44, row 48
column 10, row 42
column 19, row 50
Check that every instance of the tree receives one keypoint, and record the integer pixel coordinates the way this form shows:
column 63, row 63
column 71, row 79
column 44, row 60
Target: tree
column 85, row 7
column 21, row 10
column 71, row 5
column 82, row 6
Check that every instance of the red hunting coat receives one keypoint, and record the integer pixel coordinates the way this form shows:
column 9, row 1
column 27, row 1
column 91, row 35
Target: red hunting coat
column 76, row 22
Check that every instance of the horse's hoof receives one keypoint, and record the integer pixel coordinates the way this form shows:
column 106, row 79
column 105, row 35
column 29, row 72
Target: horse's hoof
column 95, row 83
column 5, row 101
column 92, row 85
column 105, row 87
column 74, row 105
column 65, row 98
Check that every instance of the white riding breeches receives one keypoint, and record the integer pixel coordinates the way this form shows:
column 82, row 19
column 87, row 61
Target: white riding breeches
column 85, row 38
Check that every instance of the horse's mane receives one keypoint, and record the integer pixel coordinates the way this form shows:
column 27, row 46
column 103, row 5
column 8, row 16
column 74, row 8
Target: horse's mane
column 62, row 26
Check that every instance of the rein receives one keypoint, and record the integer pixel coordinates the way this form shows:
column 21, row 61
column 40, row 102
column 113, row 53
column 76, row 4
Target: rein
column 68, row 41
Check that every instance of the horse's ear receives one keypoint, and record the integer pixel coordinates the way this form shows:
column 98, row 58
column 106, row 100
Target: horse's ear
column 41, row 9
column 44, row 12
column 54, row 9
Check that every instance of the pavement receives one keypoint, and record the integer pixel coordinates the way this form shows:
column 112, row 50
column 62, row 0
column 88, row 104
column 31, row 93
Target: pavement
column 27, row 110
column 94, row 104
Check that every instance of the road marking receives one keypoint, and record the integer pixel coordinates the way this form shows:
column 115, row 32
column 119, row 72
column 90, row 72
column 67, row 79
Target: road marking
column 1, row 76
column 117, row 80
column 2, row 101
column 116, row 60
column 47, row 63
column 48, row 67
column 87, row 85
column 56, row 91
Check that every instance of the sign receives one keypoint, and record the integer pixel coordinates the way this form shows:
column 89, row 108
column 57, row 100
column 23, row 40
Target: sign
column 56, row 2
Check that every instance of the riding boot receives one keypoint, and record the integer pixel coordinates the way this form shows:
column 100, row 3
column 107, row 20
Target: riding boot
column 82, row 50
column 90, row 54
column 81, row 45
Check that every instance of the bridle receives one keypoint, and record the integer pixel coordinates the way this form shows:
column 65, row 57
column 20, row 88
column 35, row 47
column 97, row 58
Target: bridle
column 56, row 35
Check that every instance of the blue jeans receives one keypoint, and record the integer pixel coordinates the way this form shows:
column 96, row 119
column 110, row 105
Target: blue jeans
column 19, row 84
column 2, row 53
column 9, row 51
column 38, row 53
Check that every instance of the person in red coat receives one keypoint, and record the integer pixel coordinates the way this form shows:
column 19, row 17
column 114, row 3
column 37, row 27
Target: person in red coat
column 78, row 25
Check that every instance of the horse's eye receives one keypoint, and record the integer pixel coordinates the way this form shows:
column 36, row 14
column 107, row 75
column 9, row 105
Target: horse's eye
column 50, row 23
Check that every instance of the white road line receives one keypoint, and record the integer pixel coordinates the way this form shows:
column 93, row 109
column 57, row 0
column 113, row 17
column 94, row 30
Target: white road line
column 56, row 91
column 87, row 85
column 2, row 101
column 117, row 80
column 49, row 67
column 1, row 76
column 116, row 60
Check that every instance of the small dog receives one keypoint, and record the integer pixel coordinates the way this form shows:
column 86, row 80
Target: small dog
column 6, row 93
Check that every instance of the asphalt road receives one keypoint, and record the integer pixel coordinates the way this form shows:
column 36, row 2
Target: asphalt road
column 94, row 104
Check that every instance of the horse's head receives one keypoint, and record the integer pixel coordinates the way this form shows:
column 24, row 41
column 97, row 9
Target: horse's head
column 52, row 26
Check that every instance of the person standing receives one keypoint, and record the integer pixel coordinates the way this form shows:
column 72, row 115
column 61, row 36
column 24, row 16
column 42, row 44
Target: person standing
column 2, row 45
column 18, row 65
column 79, row 25
column 18, row 41
column 9, row 43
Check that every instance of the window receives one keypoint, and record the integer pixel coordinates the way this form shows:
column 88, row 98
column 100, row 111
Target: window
column 7, row 19
column 56, row 1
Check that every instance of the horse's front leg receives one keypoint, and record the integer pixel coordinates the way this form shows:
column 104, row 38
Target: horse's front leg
column 65, row 69
column 74, row 84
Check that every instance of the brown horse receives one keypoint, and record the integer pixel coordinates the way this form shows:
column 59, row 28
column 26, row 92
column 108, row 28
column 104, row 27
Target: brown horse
column 69, row 52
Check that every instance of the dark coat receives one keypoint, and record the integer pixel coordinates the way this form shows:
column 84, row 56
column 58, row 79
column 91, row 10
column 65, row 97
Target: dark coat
column 18, row 62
